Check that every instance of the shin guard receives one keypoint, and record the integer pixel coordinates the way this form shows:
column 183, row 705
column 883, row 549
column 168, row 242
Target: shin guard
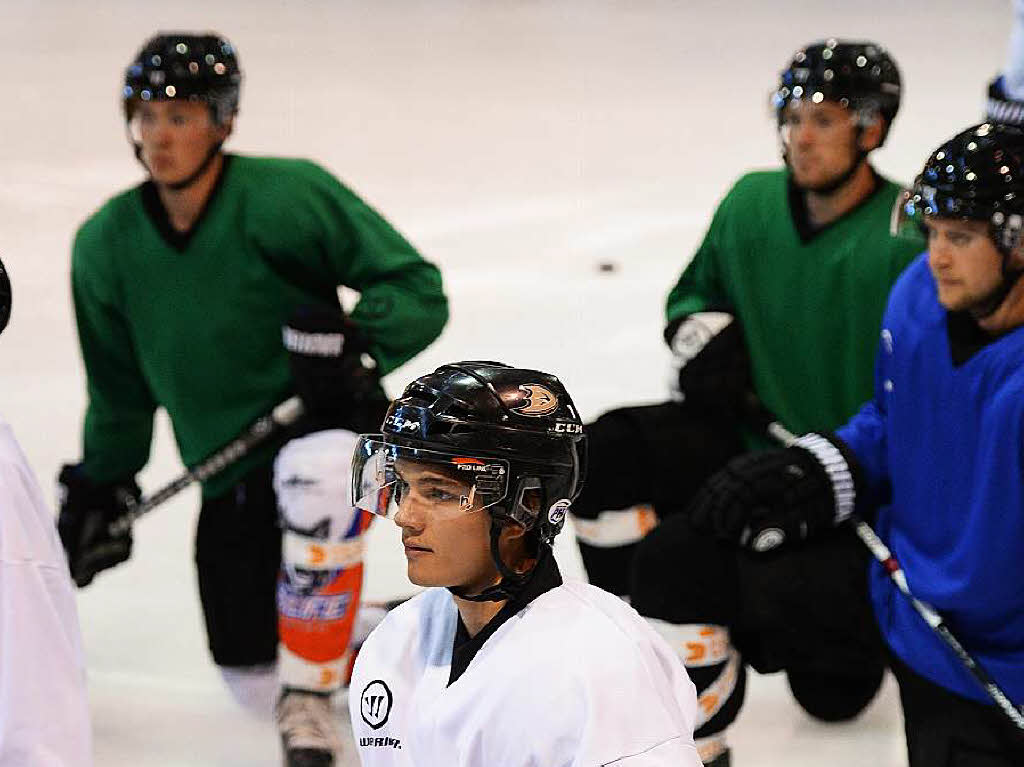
column 322, row 560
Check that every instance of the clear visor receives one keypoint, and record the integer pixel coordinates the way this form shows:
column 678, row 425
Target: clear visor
column 387, row 477
column 799, row 111
column 914, row 207
column 173, row 114
column 909, row 210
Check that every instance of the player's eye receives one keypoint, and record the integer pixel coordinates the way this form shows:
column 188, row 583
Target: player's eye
column 440, row 495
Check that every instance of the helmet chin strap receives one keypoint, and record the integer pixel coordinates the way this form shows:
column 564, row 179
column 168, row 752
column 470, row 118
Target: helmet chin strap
column 987, row 306
column 191, row 178
column 834, row 185
column 511, row 583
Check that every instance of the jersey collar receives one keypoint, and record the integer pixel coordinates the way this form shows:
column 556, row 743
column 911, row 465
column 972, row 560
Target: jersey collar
column 545, row 576
column 798, row 208
column 157, row 213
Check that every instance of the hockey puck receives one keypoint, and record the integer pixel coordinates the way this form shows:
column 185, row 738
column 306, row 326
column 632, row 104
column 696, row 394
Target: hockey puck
column 606, row 266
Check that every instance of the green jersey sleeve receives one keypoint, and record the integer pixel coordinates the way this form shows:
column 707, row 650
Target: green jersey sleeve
column 700, row 285
column 119, row 418
column 402, row 307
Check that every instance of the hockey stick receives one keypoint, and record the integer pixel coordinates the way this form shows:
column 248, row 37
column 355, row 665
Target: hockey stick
column 285, row 414
column 881, row 552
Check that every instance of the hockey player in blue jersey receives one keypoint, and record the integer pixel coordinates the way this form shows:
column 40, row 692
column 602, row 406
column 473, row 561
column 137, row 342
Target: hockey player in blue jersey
column 935, row 459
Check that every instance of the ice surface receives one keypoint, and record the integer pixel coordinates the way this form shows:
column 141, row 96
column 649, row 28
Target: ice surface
column 520, row 144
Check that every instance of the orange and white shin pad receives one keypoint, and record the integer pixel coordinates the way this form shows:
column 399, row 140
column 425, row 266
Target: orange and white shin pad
column 616, row 528
column 321, row 560
column 700, row 647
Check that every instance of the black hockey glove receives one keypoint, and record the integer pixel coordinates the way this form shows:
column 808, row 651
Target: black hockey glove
column 763, row 500
column 710, row 360
column 86, row 511
column 333, row 371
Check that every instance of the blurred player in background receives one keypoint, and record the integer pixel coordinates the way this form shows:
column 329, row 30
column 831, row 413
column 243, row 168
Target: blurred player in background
column 779, row 306
column 182, row 286
column 1006, row 93
column 935, row 458
column 44, row 711
column 499, row 662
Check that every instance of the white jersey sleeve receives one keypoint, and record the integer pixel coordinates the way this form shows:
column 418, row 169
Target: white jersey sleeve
column 44, row 716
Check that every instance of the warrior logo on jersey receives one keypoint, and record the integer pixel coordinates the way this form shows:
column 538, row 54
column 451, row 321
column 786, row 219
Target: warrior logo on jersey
column 539, row 400
column 375, row 704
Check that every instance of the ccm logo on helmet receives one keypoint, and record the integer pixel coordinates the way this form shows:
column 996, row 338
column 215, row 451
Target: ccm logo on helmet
column 401, row 424
column 539, row 400
column 567, row 428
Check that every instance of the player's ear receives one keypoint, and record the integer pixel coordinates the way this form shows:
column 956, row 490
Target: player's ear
column 871, row 132
column 515, row 546
column 512, row 532
column 224, row 129
column 1016, row 260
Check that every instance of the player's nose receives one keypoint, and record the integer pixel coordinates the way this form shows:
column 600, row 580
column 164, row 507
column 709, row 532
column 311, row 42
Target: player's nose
column 408, row 517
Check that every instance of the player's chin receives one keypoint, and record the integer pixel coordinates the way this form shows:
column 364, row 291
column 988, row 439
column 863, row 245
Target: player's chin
column 421, row 573
column 813, row 180
column 166, row 178
column 952, row 299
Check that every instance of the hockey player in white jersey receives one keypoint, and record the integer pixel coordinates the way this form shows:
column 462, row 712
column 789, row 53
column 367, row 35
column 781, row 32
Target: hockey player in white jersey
column 499, row 662
column 44, row 716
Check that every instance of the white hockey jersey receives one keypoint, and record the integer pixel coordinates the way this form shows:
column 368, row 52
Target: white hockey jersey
column 574, row 679
column 44, row 715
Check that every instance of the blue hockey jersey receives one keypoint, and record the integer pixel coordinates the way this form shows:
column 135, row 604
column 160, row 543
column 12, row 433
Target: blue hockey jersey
column 944, row 445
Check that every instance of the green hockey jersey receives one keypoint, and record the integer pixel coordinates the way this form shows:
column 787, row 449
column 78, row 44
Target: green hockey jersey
column 194, row 324
column 810, row 304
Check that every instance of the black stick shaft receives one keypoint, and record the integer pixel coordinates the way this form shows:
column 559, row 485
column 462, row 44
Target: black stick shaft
column 881, row 552
column 285, row 414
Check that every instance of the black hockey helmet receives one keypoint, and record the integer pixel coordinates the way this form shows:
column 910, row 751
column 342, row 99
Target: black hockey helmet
column 977, row 175
column 859, row 75
column 509, row 430
column 5, row 297
column 513, row 435
column 186, row 66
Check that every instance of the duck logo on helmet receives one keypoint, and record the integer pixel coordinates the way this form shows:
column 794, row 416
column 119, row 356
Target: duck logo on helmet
column 539, row 401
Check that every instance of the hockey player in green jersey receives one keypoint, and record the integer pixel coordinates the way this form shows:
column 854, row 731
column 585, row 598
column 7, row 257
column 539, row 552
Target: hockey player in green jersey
column 184, row 287
column 779, row 308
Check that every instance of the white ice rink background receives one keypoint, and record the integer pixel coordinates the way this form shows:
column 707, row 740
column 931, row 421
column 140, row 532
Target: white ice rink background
column 519, row 145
